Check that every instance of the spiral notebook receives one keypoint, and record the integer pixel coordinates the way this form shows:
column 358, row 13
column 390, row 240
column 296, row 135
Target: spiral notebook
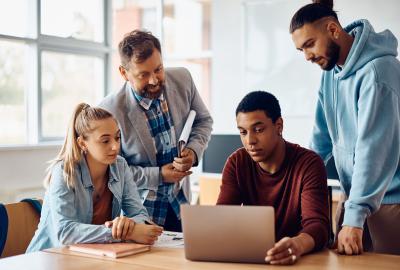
column 113, row 250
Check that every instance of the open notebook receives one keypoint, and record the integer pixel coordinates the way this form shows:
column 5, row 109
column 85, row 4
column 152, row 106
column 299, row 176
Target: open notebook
column 113, row 250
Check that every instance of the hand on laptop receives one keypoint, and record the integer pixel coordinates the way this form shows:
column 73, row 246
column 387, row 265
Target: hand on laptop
column 171, row 175
column 289, row 249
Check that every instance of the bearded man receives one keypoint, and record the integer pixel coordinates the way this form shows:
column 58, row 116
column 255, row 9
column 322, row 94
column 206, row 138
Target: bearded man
column 151, row 108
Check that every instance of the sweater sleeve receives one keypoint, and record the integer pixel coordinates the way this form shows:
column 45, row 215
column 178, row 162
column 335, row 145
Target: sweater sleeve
column 230, row 193
column 321, row 141
column 377, row 152
column 131, row 204
column 314, row 202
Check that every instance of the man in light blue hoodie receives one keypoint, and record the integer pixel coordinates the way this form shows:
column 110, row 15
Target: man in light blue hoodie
column 357, row 121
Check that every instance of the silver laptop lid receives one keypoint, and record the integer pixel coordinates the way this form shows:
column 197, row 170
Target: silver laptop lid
column 228, row 233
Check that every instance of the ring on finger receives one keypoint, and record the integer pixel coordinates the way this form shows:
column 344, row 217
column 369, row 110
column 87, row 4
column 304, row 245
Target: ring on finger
column 294, row 258
column 290, row 251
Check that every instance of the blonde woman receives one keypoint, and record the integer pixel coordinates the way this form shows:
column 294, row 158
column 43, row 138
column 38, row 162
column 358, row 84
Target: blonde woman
column 88, row 185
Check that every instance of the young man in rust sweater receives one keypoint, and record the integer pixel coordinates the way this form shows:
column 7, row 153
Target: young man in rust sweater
column 271, row 171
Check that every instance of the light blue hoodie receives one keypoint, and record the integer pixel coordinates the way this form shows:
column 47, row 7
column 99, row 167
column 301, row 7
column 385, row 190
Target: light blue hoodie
column 358, row 121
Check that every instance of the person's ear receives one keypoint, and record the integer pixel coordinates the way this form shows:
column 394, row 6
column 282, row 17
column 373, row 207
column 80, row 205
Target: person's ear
column 82, row 144
column 279, row 125
column 333, row 30
column 122, row 71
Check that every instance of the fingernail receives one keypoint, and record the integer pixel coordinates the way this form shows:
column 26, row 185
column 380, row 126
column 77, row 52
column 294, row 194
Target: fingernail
column 268, row 259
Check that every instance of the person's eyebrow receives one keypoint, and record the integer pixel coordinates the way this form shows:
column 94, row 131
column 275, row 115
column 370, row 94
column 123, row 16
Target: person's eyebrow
column 304, row 44
column 142, row 73
column 253, row 125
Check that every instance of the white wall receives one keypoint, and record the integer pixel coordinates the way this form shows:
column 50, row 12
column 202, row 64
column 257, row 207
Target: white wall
column 22, row 170
column 227, row 49
column 242, row 51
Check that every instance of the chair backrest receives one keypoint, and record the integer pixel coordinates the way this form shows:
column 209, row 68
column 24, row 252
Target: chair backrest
column 18, row 223
column 209, row 189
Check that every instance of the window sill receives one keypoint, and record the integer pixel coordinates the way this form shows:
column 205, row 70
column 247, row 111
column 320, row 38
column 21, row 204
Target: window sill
column 40, row 146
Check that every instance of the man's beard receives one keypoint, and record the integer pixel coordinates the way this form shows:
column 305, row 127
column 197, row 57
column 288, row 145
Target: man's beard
column 332, row 55
column 147, row 93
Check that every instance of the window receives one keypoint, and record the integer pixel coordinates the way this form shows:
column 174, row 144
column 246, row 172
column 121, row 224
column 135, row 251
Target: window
column 48, row 64
column 78, row 19
column 186, row 32
column 67, row 80
column 13, row 74
column 52, row 60
column 16, row 18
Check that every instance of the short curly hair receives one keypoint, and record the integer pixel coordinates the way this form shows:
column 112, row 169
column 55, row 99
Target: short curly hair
column 260, row 101
column 137, row 45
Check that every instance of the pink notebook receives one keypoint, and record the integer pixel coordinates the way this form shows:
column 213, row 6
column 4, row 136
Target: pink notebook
column 113, row 250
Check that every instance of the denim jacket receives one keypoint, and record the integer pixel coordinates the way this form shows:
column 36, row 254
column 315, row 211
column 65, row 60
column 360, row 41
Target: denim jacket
column 67, row 213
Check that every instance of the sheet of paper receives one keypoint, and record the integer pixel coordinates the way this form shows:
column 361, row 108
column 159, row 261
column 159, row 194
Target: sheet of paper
column 187, row 129
column 170, row 240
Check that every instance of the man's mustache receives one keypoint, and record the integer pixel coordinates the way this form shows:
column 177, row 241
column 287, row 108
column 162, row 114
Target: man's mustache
column 316, row 59
column 150, row 87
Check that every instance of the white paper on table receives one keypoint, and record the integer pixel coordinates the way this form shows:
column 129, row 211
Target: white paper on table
column 187, row 129
column 170, row 240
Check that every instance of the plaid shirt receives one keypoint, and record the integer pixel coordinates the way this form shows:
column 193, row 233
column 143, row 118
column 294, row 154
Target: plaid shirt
column 164, row 138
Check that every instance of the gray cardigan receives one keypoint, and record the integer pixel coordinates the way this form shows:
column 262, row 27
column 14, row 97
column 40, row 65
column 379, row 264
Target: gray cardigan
column 137, row 146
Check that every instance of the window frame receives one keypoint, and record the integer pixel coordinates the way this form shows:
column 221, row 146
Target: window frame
column 40, row 43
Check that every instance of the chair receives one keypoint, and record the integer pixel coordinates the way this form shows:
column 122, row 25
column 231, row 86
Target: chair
column 18, row 223
column 209, row 189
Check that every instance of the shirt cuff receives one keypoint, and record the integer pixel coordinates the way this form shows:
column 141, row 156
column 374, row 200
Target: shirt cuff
column 354, row 215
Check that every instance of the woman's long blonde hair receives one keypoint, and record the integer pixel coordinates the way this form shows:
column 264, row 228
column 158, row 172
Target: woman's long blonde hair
column 71, row 153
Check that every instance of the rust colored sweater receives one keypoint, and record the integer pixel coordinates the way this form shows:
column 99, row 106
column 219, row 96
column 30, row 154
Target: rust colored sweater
column 298, row 191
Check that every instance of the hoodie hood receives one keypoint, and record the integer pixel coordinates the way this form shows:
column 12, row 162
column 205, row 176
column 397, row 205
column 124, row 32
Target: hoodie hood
column 367, row 46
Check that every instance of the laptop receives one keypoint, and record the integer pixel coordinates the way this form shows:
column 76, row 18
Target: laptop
column 227, row 233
